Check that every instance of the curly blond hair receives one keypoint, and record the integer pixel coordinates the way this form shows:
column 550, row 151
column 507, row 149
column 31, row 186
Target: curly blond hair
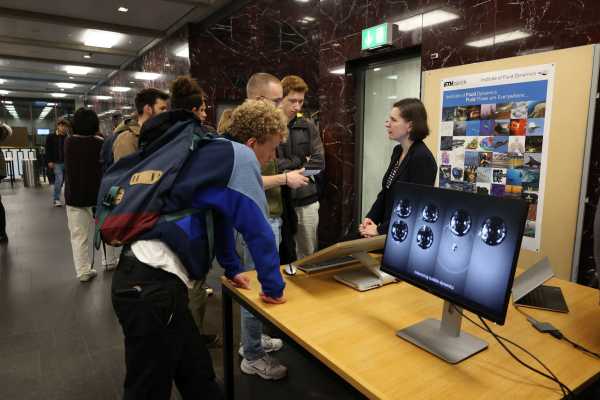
column 258, row 119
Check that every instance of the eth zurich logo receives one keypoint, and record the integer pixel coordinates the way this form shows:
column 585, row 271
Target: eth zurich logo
column 454, row 83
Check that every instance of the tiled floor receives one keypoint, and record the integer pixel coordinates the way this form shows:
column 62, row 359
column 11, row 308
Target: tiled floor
column 59, row 339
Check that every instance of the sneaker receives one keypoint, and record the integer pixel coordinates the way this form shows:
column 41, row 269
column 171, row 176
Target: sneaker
column 88, row 276
column 57, row 203
column 267, row 368
column 268, row 344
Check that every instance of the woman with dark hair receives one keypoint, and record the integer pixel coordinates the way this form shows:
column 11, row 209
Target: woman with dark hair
column 411, row 162
column 83, row 172
column 186, row 94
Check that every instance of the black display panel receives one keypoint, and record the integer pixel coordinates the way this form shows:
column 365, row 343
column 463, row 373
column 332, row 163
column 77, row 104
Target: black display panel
column 462, row 247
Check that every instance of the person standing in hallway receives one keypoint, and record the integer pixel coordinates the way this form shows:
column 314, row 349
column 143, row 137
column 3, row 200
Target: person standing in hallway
column 303, row 149
column 5, row 132
column 412, row 162
column 55, row 157
column 148, row 103
column 83, row 172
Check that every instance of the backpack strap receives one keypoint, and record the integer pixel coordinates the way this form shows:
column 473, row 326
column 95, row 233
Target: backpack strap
column 210, row 224
column 103, row 212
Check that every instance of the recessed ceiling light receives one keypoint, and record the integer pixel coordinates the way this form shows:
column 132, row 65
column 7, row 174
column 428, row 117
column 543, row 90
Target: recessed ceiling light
column 58, row 94
column 146, row 76
column 100, row 97
column 4, row 92
column 427, row 19
column 98, row 38
column 309, row 19
column 120, row 89
column 7, row 102
column 338, row 70
column 87, row 55
column 123, row 9
column 50, row 104
column 126, row 107
column 392, row 77
column 302, row 1
column 77, row 70
column 183, row 51
column 2, row 81
column 499, row 38
column 376, row 69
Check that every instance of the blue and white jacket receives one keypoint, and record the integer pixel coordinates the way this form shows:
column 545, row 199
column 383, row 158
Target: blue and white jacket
column 224, row 177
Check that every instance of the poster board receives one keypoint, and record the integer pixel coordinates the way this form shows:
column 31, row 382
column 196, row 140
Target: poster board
column 565, row 151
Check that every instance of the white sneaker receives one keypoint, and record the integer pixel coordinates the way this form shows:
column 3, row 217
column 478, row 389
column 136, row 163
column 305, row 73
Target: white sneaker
column 267, row 368
column 57, row 203
column 268, row 344
column 88, row 276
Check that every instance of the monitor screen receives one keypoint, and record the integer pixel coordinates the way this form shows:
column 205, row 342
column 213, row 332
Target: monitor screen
column 462, row 247
column 43, row 131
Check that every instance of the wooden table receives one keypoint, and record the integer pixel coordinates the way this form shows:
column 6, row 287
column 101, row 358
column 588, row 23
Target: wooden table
column 353, row 334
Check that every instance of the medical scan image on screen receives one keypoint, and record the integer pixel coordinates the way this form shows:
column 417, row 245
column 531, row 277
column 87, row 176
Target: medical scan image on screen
column 460, row 246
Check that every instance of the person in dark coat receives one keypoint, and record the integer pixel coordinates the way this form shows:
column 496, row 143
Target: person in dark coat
column 55, row 157
column 5, row 132
column 411, row 162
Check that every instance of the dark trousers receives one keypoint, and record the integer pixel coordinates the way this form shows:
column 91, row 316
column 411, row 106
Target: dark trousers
column 2, row 219
column 162, row 343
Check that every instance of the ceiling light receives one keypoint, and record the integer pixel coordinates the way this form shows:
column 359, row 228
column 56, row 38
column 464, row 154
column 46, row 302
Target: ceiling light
column 77, row 70
column 309, row 19
column 338, row 70
column 392, row 77
column 120, row 89
column 123, row 9
column 183, row 51
column 392, row 97
column 58, row 94
column 146, row 76
column 50, row 104
column 71, row 77
column 2, row 81
column 87, row 55
column 500, row 38
column 7, row 102
column 427, row 19
column 65, row 85
column 376, row 69
column 100, row 97
column 302, row 1
column 4, row 92
column 126, row 107
column 98, row 38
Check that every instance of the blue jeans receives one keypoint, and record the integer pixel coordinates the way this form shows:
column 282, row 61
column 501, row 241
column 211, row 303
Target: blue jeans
column 251, row 329
column 59, row 178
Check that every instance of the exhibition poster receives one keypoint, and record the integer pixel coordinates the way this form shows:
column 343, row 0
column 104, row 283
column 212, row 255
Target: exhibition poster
column 494, row 136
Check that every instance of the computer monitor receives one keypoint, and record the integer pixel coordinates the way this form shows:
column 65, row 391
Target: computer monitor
column 43, row 131
column 462, row 247
column 346, row 254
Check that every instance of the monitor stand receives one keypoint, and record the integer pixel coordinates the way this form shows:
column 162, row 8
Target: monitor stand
column 369, row 276
column 444, row 338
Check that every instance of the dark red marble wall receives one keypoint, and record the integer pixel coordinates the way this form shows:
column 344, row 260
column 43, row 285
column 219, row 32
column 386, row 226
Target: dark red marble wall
column 279, row 37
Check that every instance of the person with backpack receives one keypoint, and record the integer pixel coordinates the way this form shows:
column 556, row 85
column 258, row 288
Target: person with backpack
column 172, row 204
column 82, row 181
column 148, row 103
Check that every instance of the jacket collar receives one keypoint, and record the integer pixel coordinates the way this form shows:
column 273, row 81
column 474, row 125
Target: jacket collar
column 156, row 126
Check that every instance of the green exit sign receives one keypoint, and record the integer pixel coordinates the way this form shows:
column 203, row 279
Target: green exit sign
column 376, row 36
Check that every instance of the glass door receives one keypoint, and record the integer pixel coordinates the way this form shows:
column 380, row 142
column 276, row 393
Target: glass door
column 384, row 84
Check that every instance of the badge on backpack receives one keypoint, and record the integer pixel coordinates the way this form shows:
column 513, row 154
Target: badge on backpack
column 145, row 177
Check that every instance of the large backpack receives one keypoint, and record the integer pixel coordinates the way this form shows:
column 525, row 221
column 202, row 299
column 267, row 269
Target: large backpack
column 133, row 190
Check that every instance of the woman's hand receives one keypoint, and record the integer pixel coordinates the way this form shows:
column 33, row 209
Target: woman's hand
column 368, row 228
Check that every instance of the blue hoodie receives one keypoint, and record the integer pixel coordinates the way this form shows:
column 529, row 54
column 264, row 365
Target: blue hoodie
column 222, row 176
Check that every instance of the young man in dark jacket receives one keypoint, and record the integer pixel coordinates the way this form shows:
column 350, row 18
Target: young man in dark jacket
column 83, row 172
column 55, row 157
column 303, row 149
column 5, row 132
